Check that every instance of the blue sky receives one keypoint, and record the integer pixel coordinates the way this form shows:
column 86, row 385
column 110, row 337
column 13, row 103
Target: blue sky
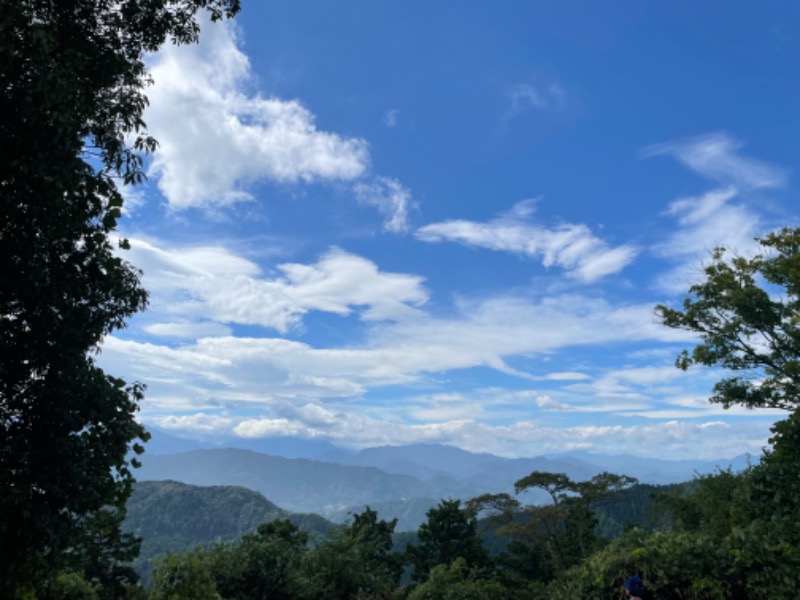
column 384, row 223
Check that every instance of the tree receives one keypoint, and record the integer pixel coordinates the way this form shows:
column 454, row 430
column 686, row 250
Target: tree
column 184, row 577
column 264, row 564
column 747, row 313
column 355, row 561
column 72, row 83
column 549, row 538
column 449, row 533
column 457, row 582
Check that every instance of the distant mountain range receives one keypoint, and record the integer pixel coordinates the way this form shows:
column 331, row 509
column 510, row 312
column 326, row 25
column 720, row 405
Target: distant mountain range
column 398, row 481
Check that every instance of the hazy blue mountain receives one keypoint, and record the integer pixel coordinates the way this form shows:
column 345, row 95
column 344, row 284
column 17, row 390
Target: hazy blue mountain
column 428, row 461
column 299, row 485
column 163, row 442
column 286, row 447
column 653, row 470
column 425, row 461
column 487, row 471
column 399, row 481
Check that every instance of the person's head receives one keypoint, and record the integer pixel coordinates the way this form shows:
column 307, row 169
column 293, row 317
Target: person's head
column 635, row 586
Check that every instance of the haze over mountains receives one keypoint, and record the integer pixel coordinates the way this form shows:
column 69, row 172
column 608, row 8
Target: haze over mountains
column 398, row 481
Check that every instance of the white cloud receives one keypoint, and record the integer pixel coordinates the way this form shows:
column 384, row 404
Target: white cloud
column 215, row 138
column 212, row 284
column 231, row 372
column 566, row 376
column 266, row 428
column 524, row 96
column 390, row 118
column 187, row 329
column 715, row 156
column 390, row 198
column 569, row 246
column 638, row 383
column 704, row 223
column 198, row 424
column 692, row 439
column 724, row 216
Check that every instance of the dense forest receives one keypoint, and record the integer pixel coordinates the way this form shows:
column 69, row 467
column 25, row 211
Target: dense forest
column 723, row 535
column 73, row 97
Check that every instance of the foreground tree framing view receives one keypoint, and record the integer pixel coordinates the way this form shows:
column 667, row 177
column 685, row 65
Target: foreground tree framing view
column 73, row 86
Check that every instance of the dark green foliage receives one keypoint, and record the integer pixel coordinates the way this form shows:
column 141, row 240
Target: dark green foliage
column 276, row 562
column 631, row 507
column 567, row 526
column 184, row 577
column 450, row 533
column 730, row 535
column 356, row 561
column 72, row 81
column 746, row 312
column 456, row 581
column 265, row 564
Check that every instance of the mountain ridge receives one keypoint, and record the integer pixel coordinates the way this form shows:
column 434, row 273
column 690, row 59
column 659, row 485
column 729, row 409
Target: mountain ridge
column 399, row 481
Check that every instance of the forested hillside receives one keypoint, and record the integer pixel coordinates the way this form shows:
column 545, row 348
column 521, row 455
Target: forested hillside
column 176, row 517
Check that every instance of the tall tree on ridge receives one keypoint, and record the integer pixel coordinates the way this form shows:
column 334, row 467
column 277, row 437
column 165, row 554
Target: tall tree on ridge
column 72, row 99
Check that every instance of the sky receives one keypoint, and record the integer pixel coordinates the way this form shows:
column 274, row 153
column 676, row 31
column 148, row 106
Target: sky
column 376, row 223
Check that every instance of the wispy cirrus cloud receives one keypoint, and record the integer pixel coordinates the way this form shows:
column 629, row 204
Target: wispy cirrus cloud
column 390, row 117
column 232, row 371
column 572, row 247
column 720, row 217
column 716, row 157
column 523, row 97
column 390, row 198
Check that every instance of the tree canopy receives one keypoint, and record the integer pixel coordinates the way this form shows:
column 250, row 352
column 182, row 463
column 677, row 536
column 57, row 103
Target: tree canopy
column 73, row 94
column 747, row 313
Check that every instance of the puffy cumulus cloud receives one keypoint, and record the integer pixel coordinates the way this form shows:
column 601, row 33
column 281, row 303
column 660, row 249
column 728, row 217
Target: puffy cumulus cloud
column 266, row 428
column 715, row 157
column 390, row 198
column 198, row 424
column 572, row 247
column 215, row 137
column 211, row 284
